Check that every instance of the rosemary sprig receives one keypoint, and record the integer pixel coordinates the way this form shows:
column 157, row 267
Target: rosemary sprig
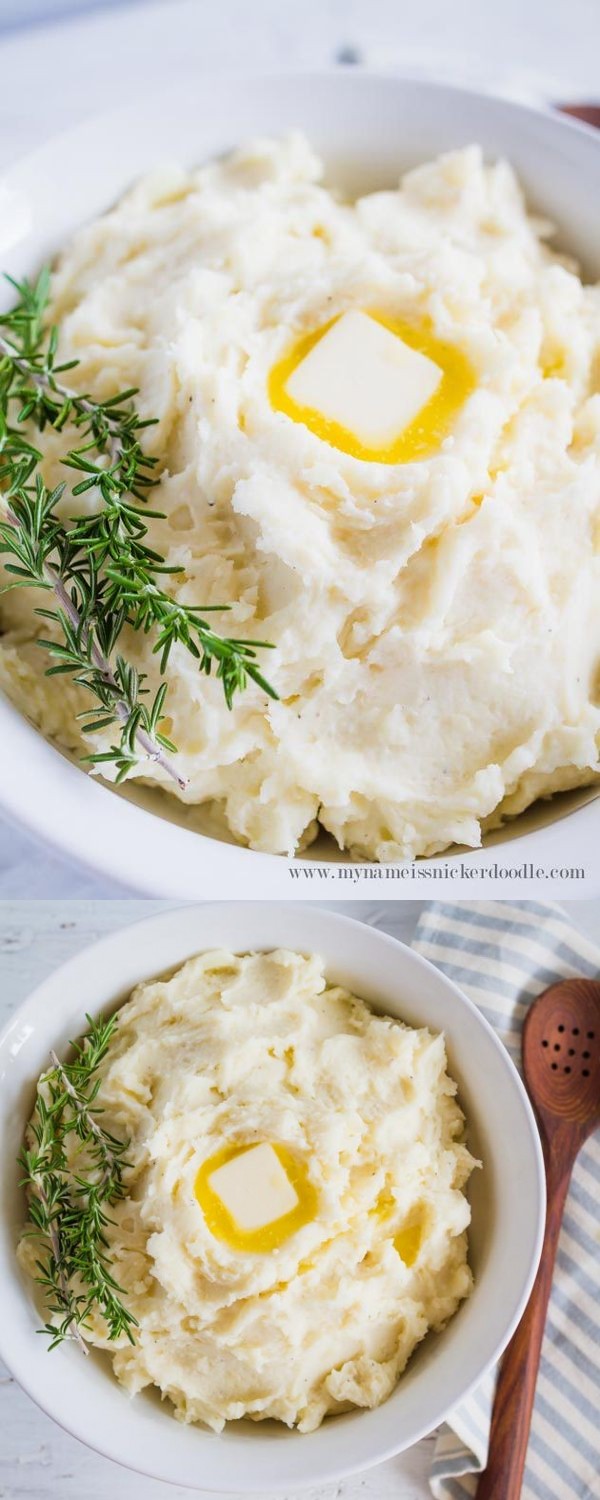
column 99, row 566
column 67, row 1207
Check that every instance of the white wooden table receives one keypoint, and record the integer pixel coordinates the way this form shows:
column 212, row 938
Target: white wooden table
column 37, row 1460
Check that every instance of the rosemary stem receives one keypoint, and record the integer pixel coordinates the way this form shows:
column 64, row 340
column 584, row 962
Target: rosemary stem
column 74, row 1333
column 41, row 382
column 148, row 745
column 25, row 369
column 85, row 1115
column 73, row 1172
column 99, row 565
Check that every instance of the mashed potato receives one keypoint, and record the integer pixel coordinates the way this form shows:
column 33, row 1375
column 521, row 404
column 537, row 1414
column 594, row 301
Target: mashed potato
column 260, row 1049
column 436, row 623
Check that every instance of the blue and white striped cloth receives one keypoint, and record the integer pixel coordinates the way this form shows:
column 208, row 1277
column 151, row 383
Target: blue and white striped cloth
column 503, row 954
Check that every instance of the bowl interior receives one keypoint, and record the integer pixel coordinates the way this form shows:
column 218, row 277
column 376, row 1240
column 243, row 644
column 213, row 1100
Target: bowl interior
column 205, row 819
column 507, row 1204
column 368, row 130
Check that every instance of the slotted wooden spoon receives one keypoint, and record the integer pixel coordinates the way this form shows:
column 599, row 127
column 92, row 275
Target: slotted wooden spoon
column 561, row 1067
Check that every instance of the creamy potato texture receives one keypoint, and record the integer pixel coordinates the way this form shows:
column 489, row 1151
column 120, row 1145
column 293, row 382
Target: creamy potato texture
column 261, row 1050
column 436, row 620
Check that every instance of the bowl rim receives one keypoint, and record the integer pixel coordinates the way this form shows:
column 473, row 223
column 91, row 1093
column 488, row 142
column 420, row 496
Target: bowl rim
column 31, row 1375
column 78, row 816
column 548, row 110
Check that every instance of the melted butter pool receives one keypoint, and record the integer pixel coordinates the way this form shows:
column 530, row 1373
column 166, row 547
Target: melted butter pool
column 270, row 1236
column 408, row 1243
column 424, row 435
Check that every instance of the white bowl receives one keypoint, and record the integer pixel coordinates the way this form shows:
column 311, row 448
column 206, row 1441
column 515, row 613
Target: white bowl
column 508, row 1202
column 368, row 128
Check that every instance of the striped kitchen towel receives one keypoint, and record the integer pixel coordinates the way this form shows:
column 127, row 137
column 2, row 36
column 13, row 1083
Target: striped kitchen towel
column 502, row 954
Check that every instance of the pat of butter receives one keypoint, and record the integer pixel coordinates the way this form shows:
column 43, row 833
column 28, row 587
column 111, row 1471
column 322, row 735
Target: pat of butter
column 254, row 1188
column 365, row 378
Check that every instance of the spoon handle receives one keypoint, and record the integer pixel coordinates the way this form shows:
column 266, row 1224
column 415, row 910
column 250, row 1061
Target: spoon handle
column 515, row 1390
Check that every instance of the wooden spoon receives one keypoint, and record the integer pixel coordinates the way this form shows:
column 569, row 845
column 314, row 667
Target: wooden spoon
column 561, row 1067
column 589, row 113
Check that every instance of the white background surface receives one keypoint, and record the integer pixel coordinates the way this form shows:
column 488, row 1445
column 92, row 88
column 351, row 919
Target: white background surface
column 37, row 1460
column 55, row 75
